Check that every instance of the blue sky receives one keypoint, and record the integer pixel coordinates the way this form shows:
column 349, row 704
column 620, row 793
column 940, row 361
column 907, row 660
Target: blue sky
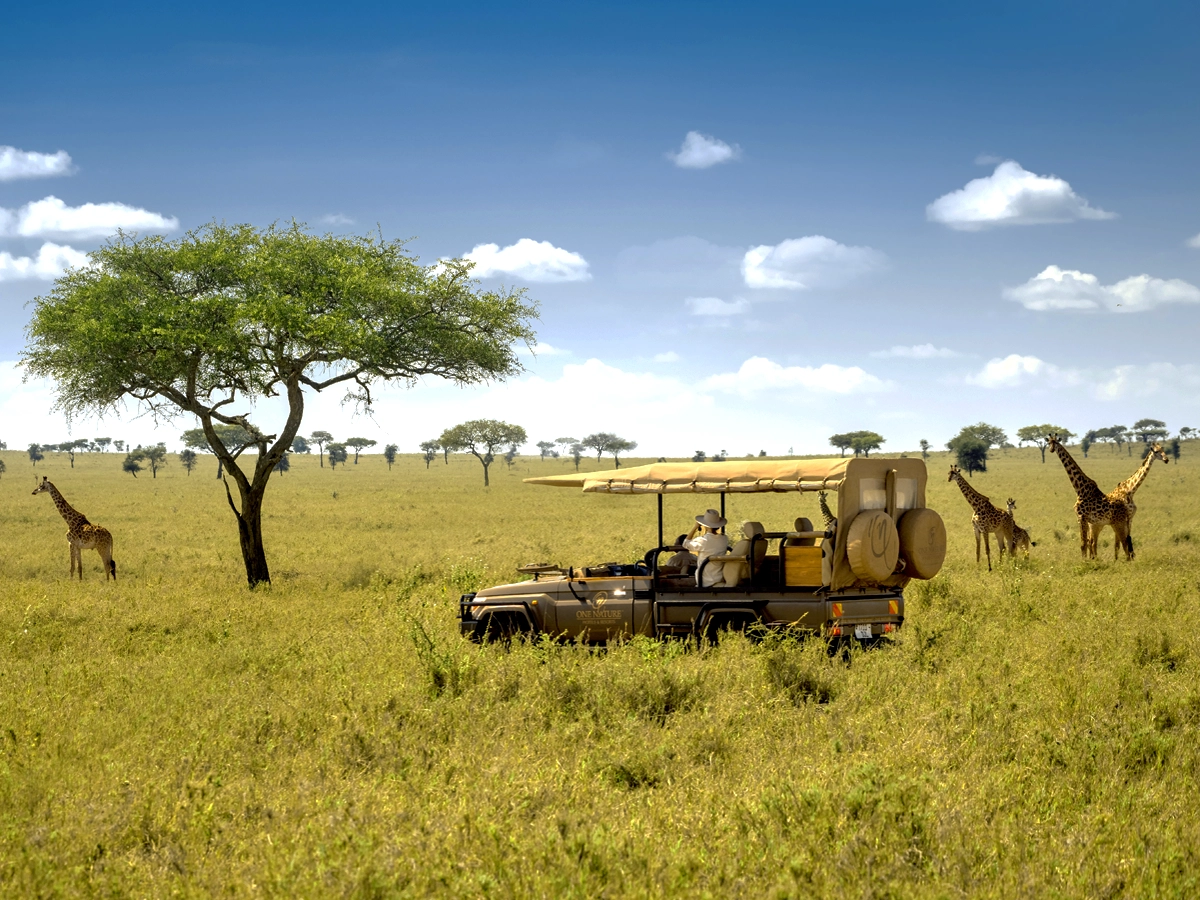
column 896, row 218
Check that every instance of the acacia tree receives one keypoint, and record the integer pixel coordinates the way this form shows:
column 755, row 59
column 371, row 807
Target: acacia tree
column 336, row 453
column 481, row 438
column 227, row 315
column 572, row 446
column 430, row 450
column 924, row 448
column 1148, row 430
column 235, row 437
column 3, row 467
column 359, row 444
column 389, row 454
column 187, row 459
column 842, row 442
column 545, row 447
column 598, row 442
column 156, row 456
column 1039, row 436
column 321, row 438
column 35, row 454
column 865, row 441
column 617, row 446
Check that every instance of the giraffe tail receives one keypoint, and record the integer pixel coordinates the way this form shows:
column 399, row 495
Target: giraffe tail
column 112, row 567
column 1129, row 544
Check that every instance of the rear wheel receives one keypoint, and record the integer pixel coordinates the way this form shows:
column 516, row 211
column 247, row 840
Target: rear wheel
column 743, row 623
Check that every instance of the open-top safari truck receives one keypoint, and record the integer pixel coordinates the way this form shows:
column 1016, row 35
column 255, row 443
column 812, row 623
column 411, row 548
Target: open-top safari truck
column 844, row 581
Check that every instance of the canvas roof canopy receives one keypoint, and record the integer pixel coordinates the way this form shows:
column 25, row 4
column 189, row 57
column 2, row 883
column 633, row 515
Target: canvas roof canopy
column 733, row 476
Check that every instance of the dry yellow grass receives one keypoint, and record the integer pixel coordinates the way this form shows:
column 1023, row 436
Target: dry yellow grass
column 1030, row 732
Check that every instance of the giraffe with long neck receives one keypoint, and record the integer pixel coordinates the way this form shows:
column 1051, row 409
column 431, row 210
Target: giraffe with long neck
column 1093, row 507
column 826, row 513
column 1126, row 489
column 1020, row 535
column 81, row 534
column 987, row 519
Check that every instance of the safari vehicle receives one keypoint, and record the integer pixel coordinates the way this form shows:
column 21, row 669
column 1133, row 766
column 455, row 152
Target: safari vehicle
column 844, row 581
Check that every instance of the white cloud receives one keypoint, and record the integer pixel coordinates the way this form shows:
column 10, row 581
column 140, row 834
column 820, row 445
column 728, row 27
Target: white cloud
column 917, row 351
column 541, row 349
column 715, row 306
column 759, row 374
column 807, row 262
column 1150, row 380
column 52, row 260
column 530, row 260
column 700, row 151
column 1063, row 289
column 51, row 216
column 1015, row 370
column 336, row 219
column 1194, row 242
column 669, row 357
column 16, row 164
column 1011, row 196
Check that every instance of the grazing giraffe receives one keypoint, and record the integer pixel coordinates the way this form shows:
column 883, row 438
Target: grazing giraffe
column 1020, row 535
column 987, row 519
column 1094, row 508
column 81, row 534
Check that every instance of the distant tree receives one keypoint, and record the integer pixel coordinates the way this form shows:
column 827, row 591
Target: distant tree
column 572, row 446
column 699, row 456
column 1185, row 433
column 925, row 445
column 1173, row 449
column 284, row 463
column 1148, row 430
column 842, row 442
column 235, row 438
column 430, row 449
column 119, row 446
column 991, row 435
column 156, row 456
column 35, row 454
column 321, row 439
column 337, row 454
column 103, row 443
column 3, row 446
column 389, row 455
column 300, row 445
column 1039, row 435
column 598, row 442
column 1085, row 443
column 133, row 462
column 865, row 441
column 481, row 438
column 544, row 447
column 971, row 453
column 511, row 456
column 762, row 452
column 187, row 459
column 617, row 446
column 359, row 444
column 3, row 467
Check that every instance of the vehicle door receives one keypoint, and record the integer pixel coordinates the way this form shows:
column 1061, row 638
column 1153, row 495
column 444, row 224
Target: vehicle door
column 596, row 609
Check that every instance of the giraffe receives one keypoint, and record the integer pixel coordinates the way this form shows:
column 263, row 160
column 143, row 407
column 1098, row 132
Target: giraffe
column 81, row 534
column 827, row 513
column 1125, row 490
column 1020, row 535
column 1094, row 508
column 987, row 519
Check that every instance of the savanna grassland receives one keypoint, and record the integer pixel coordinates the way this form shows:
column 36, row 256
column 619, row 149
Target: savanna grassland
column 1030, row 732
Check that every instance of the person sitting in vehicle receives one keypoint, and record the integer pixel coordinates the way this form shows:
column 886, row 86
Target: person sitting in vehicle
column 683, row 562
column 708, row 543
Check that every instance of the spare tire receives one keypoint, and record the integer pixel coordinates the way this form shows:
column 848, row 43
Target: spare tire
column 872, row 545
column 922, row 542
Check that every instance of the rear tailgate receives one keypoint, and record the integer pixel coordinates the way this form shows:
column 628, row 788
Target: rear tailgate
column 863, row 617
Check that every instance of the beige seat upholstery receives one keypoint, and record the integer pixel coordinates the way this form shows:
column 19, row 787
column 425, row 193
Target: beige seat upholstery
column 802, row 524
column 735, row 568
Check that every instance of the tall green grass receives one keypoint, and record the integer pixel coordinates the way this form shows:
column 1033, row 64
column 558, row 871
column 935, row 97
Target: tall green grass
column 1030, row 732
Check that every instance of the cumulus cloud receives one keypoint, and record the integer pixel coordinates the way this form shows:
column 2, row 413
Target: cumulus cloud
column 808, row 262
column 529, row 260
column 1066, row 289
column 701, row 151
column 715, row 306
column 1194, row 242
column 51, row 216
column 917, row 351
column 51, row 261
column 1012, row 196
column 15, row 164
column 1015, row 370
column 758, row 374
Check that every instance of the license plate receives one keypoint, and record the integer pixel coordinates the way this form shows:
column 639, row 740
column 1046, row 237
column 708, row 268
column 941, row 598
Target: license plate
column 862, row 632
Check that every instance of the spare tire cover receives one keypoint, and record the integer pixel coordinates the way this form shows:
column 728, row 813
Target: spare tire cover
column 922, row 542
column 872, row 545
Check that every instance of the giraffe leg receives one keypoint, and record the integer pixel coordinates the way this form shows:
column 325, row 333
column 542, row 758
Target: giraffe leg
column 987, row 546
column 977, row 545
column 1085, row 539
column 106, row 560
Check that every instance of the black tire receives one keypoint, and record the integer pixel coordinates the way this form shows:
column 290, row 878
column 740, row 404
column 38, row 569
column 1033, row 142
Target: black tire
column 502, row 628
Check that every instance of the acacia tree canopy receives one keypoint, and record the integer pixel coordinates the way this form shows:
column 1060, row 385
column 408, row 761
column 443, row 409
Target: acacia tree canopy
column 229, row 314
column 481, row 438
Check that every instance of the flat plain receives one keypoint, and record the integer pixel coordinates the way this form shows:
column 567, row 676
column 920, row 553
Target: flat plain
column 1032, row 731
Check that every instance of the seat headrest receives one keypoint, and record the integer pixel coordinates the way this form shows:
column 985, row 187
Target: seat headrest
column 803, row 524
column 749, row 529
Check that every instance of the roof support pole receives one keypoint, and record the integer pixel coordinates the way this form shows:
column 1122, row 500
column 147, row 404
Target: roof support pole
column 660, row 534
column 722, row 508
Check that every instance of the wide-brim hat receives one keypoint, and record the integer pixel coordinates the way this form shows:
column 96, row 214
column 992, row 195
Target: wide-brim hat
column 711, row 519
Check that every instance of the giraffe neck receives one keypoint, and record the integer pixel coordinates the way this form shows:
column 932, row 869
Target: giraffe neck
column 1134, row 481
column 978, row 501
column 826, row 512
column 73, row 516
column 1085, row 487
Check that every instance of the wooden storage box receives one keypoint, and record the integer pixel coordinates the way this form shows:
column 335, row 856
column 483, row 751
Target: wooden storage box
column 802, row 566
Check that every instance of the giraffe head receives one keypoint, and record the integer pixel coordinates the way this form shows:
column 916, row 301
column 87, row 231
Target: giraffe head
column 954, row 470
column 44, row 486
column 1012, row 504
column 1052, row 443
column 1158, row 451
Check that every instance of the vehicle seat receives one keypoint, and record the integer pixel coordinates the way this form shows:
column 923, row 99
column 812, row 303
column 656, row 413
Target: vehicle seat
column 749, row 530
column 737, row 568
column 802, row 524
